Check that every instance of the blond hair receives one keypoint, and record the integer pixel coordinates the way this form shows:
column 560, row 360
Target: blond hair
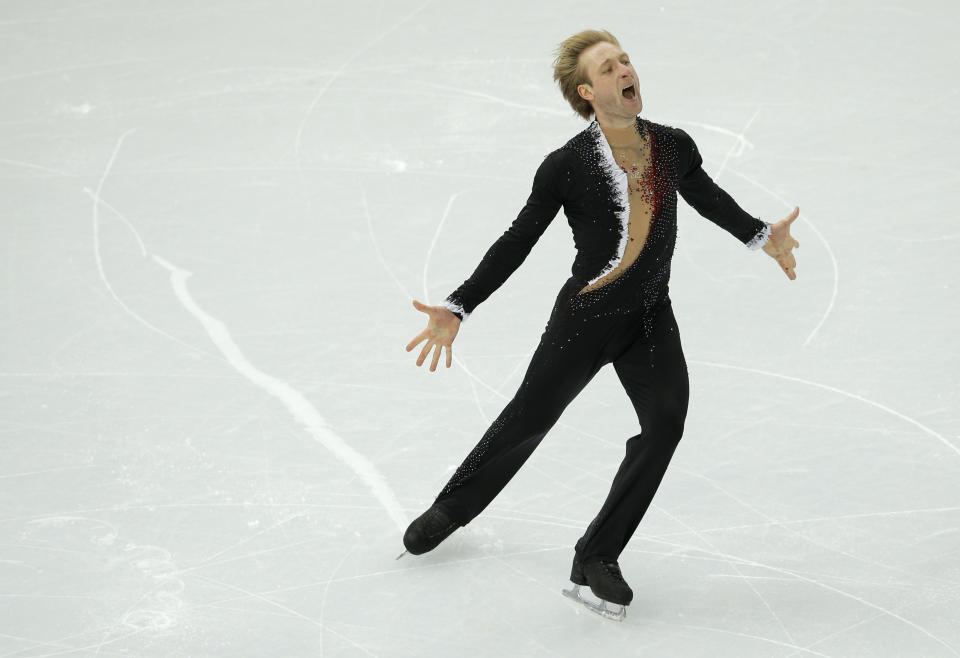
column 568, row 72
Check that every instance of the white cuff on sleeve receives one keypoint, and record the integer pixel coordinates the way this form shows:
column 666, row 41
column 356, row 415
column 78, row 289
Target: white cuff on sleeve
column 455, row 308
column 760, row 238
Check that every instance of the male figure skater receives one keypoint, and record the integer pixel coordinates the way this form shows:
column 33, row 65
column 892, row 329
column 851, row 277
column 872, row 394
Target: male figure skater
column 617, row 181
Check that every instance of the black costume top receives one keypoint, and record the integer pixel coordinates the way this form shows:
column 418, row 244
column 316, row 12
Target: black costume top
column 584, row 178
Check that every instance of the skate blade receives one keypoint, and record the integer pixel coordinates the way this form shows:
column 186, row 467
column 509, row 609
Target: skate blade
column 616, row 613
column 401, row 555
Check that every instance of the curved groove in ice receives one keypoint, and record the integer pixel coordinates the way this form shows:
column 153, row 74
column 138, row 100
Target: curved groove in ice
column 291, row 398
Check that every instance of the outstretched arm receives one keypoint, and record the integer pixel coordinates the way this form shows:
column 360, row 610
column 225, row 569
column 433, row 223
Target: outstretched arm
column 711, row 201
column 506, row 254
column 500, row 261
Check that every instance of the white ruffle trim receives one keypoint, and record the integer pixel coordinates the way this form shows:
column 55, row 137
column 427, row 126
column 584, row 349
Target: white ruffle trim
column 760, row 238
column 619, row 183
column 455, row 307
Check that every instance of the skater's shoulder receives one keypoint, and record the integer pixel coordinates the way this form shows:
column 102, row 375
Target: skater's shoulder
column 585, row 139
column 678, row 134
column 569, row 155
column 560, row 158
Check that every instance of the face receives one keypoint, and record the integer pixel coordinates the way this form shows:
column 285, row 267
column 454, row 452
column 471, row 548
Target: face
column 611, row 74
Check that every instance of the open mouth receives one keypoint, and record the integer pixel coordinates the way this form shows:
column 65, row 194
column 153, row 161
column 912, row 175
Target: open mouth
column 629, row 93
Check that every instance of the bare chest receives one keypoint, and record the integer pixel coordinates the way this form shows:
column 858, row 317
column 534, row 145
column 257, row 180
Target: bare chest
column 637, row 162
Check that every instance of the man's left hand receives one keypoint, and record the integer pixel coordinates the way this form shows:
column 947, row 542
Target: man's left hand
column 781, row 242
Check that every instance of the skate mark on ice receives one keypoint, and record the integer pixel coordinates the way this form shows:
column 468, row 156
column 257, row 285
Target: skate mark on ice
column 156, row 604
column 150, row 507
column 31, row 165
column 246, row 595
column 433, row 242
column 323, row 89
column 897, row 238
column 476, row 399
column 800, row 535
column 737, row 149
column 49, row 470
column 67, row 69
column 298, row 140
column 376, row 245
column 798, row 575
column 494, row 99
column 863, row 621
column 403, row 570
column 299, row 406
column 292, row 399
column 739, row 145
column 742, row 579
column 749, row 636
column 834, row 389
column 247, row 556
column 813, row 519
column 97, row 201
column 64, row 649
column 903, row 586
column 523, row 629
column 207, row 560
column 826, row 246
column 740, row 142
column 291, row 612
column 326, row 591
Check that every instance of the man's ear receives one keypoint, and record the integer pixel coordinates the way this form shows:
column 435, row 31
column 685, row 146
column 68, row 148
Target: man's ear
column 586, row 93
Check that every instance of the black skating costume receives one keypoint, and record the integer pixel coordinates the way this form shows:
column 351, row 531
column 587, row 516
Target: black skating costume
column 628, row 320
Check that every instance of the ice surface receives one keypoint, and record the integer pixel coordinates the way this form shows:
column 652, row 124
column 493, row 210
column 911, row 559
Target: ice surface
column 216, row 215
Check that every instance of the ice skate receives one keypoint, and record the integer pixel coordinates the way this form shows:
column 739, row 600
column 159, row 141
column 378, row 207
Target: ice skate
column 427, row 531
column 606, row 582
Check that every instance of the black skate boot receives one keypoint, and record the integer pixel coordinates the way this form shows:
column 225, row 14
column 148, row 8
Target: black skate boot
column 606, row 582
column 428, row 530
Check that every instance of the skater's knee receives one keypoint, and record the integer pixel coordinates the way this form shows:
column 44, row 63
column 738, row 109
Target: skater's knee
column 537, row 415
column 672, row 426
column 668, row 419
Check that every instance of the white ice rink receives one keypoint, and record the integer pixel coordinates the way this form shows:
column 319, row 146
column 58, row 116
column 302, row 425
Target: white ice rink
column 214, row 219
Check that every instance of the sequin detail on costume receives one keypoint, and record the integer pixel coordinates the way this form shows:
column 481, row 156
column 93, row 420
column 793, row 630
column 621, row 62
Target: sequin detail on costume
column 642, row 287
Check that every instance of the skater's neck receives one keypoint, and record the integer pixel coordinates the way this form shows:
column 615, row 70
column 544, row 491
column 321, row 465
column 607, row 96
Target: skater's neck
column 620, row 132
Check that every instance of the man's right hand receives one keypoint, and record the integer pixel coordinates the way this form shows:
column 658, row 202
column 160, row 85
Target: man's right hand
column 442, row 328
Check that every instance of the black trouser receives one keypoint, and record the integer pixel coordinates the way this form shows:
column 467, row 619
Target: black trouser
column 639, row 335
